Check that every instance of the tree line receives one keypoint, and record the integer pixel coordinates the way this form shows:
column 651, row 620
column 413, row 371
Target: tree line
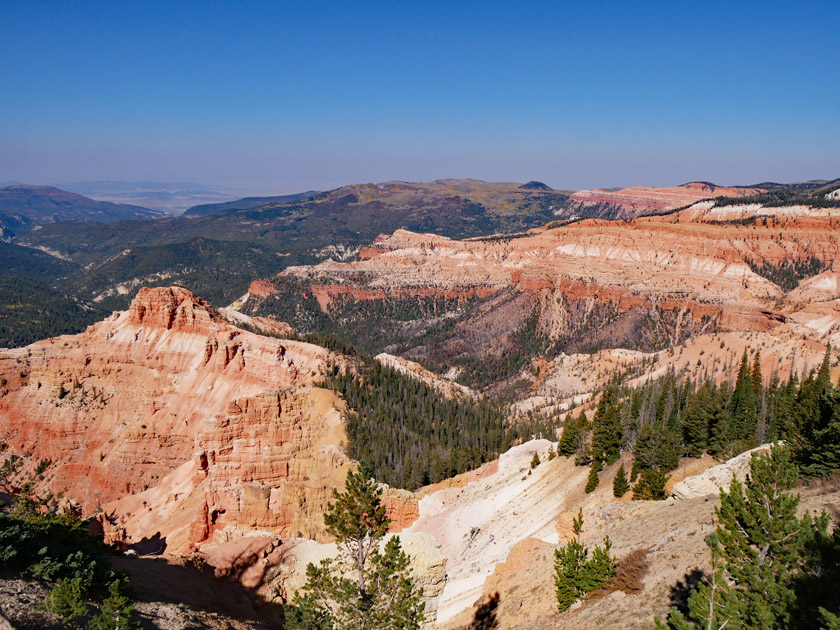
column 410, row 434
column 662, row 421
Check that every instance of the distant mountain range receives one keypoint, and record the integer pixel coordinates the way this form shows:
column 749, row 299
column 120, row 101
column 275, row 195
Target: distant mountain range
column 23, row 207
column 216, row 250
column 248, row 203
column 168, row 197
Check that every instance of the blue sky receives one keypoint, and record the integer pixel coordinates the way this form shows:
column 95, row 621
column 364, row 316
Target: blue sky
column 273, row 97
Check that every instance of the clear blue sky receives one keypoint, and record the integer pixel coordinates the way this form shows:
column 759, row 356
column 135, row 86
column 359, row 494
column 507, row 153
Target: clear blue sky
column 275, row 97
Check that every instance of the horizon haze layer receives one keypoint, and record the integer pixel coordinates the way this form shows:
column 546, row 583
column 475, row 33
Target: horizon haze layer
column 279, row 99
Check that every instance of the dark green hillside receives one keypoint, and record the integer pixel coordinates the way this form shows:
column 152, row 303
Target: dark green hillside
column 31, row 310
column 218, row 271
column 219, row 254
column 30, row 307
column 807, row 194
column 12, row 225
column 249, row 203
column 15, row 259
column 408, row 433
column 45, row 204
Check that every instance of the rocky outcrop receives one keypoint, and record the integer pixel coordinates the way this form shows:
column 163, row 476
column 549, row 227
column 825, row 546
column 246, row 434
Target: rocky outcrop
column 641, row 200
column 268, row 463
column 651, row 283
column 168, row 404
column 710, row 482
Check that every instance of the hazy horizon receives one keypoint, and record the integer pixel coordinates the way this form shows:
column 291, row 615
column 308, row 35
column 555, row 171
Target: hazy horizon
column 270, row 99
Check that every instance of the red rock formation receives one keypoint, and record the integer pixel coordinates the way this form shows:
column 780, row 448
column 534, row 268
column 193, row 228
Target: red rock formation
column 700, row 271
column 219, row 423
column 261, row 288
column 640, row 200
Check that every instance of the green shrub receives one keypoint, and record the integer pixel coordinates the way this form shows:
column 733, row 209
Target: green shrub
column 66, row 599
column 575, row 575
column 115, row 612
column 650, row 486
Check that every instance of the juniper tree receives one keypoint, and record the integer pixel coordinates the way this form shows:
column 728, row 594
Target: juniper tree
column 369, row 586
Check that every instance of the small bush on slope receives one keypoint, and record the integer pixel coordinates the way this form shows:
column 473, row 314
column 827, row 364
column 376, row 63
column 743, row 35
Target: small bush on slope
column 575, row 574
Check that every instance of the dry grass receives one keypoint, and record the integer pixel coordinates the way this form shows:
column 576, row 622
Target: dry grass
column 629, row 576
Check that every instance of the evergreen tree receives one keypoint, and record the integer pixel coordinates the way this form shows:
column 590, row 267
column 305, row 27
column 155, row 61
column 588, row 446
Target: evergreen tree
column 620, row 483
column 575, row 575
column 572, row 429
column 818, row 446
column 115, row 612
column 650, row 486
column 594, row 478
column 369, row 587
column 762, row 554
column 830, row 620
column 762, row 539
column 711, row 605
column 67, row 599
column 569, row 562
column 606, row 428
column 743, row 407
column 699, row 416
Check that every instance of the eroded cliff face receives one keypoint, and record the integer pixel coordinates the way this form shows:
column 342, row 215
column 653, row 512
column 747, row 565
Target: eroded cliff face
column 642, row 285
column 177, row 423
column 639, row 200
column 268, row 463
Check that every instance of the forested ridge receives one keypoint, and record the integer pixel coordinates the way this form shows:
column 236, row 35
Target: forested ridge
column 665, row 420
column 410, row 434
column 31, row 310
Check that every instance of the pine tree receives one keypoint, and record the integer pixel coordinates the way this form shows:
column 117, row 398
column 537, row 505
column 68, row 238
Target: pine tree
column 830, row 620
column 535, row 461
column 594, row 479
column 760, row 552
column 711, row 605
column 762, row 539
column 650, row 486
column 369, row 587
column 697, row 419
column 115, row 612
column 743, row 404
column 568, row 564
column 572, row 429
column 67, row 599
column 606, row 428
column 575, row 575
column 818, row 446
column 599, row 569
column 620, row 483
